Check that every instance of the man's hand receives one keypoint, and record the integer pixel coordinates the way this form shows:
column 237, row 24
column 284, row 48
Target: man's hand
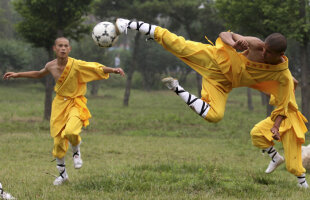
column 241, row 45
column 119, row 71
column 9, row 75
column 276, row 134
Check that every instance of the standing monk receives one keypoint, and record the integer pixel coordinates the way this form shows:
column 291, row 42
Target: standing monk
column 69, row 110
column 262, row 65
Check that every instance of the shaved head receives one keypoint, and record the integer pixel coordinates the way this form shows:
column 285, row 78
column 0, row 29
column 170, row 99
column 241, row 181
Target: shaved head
column 61, row 39
column 276, row 42
column 62, row 47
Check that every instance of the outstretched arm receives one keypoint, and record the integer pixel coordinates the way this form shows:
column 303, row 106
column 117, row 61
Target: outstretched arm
column 113, row 70
column 30, row 74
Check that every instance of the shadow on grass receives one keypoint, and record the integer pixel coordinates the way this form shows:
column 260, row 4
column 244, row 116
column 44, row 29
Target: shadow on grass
column 158, row 179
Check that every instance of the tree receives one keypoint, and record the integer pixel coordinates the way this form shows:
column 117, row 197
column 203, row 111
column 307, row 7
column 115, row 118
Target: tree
column 197, row 17
column 13, row 55
column 45, row 20
column 156, row 62
column 7, row 19
column 140, row 9
column 303, row 38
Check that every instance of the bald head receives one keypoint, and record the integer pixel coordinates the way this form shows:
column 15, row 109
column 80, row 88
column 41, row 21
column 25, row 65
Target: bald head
column 62, row 47
column 276, row 42
column 61, row 39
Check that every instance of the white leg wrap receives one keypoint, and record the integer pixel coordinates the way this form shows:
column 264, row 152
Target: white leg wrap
column 199, row 106
column 60, row 161
column 301, row 179
column 272, row 152
column 145, row 28
column 302, row 182
column 61, row 167
column 76, row 149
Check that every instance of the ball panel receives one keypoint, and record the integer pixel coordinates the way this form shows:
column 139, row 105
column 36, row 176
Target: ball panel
column 104, row 34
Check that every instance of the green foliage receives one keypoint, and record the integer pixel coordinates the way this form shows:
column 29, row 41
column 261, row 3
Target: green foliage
column 260, row 18
column 85, row 49
column 7, row 19
column 130, row 9
column 14, row 55
column 44, row 20
column 198, row 18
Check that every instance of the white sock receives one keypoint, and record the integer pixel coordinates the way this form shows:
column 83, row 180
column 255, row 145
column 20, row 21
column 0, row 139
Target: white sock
column 76, row 149
column 199, row 106
column 60, row 161
column 272, row 152
column 61, row 166
column 301, row 179
column 142, row 27
column 1, row 190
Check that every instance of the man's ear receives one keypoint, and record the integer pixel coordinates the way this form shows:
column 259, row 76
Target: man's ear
column 54, row 48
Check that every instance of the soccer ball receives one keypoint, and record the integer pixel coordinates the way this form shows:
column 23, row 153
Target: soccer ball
column 104, row 34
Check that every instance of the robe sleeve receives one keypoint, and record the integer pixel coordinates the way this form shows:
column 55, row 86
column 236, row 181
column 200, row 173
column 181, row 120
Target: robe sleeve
column 283, row 97
column 91, row 71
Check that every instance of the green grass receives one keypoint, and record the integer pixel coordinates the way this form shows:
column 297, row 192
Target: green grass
column 156, row 148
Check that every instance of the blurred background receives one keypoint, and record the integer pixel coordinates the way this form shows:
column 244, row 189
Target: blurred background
column 28, row 29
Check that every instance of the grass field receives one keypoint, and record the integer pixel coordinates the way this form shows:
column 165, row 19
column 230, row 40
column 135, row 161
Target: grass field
column 156, row 148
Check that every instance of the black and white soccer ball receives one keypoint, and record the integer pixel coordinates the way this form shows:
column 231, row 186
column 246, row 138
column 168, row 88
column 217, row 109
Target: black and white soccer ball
column 104, row 34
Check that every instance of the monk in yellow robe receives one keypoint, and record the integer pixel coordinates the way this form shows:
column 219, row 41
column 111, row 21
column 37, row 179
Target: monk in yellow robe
column 261, row 65
column 292, row 136
column 69, row 110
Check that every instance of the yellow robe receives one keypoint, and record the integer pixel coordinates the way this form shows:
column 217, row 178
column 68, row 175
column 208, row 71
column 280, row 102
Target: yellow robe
column 70, row 90
column 223, row 68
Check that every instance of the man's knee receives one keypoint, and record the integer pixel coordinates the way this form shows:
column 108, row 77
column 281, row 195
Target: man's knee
column 259, row 140
column 72, row 130
column 255, row 131
column 60, row 149
column 214, row 117
column 69, row 132
column 72, row 136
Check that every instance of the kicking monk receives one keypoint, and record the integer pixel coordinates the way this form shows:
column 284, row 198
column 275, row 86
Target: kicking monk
column 69, row 110
column 262, row 65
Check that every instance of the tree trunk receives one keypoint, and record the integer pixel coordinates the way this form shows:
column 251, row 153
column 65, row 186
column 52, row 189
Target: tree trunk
column 49, row 85
column 184, row 74
column 263, row 98
column 199, row 80
column 250, row 103
column 94, row 88
column 305, row 82
column 269, row 108
column 131, row 70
